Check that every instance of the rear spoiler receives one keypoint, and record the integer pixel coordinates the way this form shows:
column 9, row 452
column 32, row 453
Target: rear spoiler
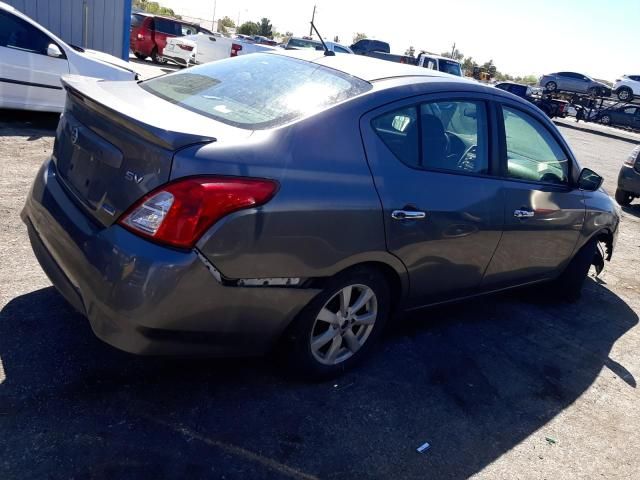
column 83, row 91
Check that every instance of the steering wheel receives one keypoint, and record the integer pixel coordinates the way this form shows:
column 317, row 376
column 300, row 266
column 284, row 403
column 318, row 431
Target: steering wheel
column 468, row 159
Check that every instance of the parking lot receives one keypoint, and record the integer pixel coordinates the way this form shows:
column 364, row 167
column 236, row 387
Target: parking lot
column 513, row 386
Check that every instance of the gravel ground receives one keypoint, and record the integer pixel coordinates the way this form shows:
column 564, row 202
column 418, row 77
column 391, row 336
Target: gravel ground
column 510, row 386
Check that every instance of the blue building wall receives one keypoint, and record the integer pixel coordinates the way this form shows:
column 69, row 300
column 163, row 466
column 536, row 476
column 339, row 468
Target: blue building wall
column 97, row 24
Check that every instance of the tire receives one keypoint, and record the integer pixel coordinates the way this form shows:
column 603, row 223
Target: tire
column 334, row 350
column 551, row 86
column 157, row 58
column 594, row 92
column 568, row 286
column 625, row 94
column 623, row 197
column 605, row 119
column 139, row 55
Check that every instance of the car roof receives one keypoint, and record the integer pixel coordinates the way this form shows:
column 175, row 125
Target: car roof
column 155, row 15
column 367, row 68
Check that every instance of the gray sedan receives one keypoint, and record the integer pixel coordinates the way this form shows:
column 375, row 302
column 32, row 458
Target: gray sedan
column 574, row 82
column 303, row 199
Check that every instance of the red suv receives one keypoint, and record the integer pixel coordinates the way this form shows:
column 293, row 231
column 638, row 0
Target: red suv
column 149, row 34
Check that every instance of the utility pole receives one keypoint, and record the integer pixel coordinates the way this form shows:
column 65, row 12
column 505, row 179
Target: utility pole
column 453, row 49
column 313, row 16
column 213, row 20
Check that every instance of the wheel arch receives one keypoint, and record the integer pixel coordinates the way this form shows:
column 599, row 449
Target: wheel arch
column 388, row 265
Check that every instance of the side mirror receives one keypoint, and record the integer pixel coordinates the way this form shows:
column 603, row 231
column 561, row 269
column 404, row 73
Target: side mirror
column 589, row 180
column 54, row 51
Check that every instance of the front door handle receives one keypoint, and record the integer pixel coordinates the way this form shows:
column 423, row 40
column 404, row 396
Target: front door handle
column 407, row 215
column 523, row 213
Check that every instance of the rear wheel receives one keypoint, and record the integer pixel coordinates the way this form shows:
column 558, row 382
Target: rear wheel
column 139, row 55
column 551, row 86
column 341, row 325
column 625, row 94
column 568, row 286
column 623, row 197
column 157, row 58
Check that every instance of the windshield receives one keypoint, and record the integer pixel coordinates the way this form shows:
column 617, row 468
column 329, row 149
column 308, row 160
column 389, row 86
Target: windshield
column 449, row 66
column 256, row 91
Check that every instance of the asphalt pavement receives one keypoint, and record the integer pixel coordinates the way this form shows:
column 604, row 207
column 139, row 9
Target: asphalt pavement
column 509, row 386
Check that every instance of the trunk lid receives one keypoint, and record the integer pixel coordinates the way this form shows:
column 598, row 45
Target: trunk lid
column 115, row 142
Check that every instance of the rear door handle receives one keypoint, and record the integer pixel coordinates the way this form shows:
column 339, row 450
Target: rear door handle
column 407, row 215
column 523, row 213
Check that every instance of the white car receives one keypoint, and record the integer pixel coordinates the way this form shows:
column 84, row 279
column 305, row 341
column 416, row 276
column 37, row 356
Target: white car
column 202, row 48
column 627, row 87
column 32, row 60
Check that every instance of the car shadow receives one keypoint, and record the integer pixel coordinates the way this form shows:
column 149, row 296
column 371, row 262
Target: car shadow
column 473, row 379
column 24, row 122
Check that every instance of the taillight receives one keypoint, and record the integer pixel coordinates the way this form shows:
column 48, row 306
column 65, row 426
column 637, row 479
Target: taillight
column 188, row 48
column 178, row 213
column 140, row 36
column 235, row 48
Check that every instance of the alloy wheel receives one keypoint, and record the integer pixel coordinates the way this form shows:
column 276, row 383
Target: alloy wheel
column 344, row 324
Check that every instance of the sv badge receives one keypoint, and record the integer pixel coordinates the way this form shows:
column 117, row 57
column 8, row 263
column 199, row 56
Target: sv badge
column 133, row 177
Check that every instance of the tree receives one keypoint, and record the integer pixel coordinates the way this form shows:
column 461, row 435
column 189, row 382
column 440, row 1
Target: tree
column 410, row 51
column 249, row 28
column 359, row 36
column 154, row 7
column 468, row 64
column 457, row 55
column 265, row 28
column 225, row 23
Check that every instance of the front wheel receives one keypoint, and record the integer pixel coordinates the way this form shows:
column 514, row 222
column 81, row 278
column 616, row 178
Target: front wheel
column 623, row 197
column 551, row 86
column 341, row 325
column 568, row 286
column 605, row 120
column 139, row 56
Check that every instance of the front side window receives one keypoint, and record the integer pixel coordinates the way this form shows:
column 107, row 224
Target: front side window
column 18, row 34
column 446, row 135
column 256, row 91
column 532, row 152
column 630, row 110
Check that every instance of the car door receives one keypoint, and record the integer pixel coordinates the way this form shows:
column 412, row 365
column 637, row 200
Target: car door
column 29, row 78
column 544, row 212
column 432, row 162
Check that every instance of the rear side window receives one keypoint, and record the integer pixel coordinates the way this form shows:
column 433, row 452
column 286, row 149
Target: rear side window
column 447, row 135
column 256, row 91
column 18, row 34
column 169, row 27
column 532, row 152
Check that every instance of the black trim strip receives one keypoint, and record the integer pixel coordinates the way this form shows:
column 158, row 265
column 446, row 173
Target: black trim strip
column 29, row 84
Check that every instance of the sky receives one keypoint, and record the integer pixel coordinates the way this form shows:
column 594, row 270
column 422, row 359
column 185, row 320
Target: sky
column 600, row 38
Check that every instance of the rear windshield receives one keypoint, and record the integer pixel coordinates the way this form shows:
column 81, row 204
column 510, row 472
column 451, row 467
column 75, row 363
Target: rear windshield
column 303, row 43
column 448, row 66
column 256, row 91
